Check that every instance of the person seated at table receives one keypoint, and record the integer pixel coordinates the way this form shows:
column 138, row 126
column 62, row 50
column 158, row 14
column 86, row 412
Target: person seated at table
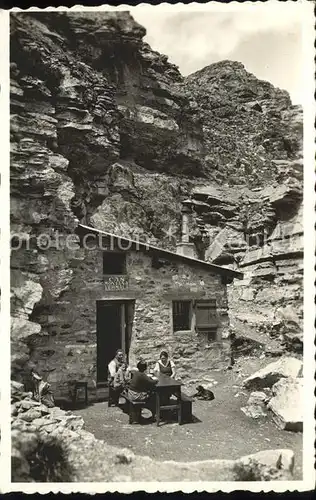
column 165, row 366
column 121, row 378
column 140, row 387
column 131, row 369
column 116, row 363
column 113, row 367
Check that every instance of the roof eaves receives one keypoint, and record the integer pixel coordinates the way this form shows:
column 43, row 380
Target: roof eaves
column 140, row 245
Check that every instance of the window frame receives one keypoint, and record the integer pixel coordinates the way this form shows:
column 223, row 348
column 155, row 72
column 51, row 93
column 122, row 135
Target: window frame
column 190, row 315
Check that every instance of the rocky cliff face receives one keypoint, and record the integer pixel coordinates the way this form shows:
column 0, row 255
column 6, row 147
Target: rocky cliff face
column 244, row 124
column 107, row 132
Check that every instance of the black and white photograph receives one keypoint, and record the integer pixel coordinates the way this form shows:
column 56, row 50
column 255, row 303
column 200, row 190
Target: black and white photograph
column 161, row 302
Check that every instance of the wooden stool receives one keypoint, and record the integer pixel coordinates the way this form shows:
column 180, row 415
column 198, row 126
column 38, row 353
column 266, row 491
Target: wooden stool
column 100, row 386
column 78, row 386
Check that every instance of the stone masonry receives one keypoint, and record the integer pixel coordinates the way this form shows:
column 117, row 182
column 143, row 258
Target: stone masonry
column 66, row 347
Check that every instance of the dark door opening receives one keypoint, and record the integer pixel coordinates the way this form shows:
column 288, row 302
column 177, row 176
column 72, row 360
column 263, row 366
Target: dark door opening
column 114, row 328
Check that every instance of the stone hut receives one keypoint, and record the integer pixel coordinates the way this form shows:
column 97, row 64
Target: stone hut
column 144, row 299
column 135, row 296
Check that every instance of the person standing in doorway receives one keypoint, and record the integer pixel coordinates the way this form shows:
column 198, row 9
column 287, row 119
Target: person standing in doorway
column 165, row 365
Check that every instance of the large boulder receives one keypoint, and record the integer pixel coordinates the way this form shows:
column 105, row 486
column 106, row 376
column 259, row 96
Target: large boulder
column 287, row 404
column 254, row 411
column 272, row 373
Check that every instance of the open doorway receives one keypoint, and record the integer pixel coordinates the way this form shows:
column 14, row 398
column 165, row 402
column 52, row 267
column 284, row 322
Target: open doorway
column 114, row 331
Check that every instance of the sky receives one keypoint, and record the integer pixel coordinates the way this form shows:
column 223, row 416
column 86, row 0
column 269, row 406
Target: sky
column 266, row 38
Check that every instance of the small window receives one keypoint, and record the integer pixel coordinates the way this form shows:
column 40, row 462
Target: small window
column 181, row 314
column 114, row 263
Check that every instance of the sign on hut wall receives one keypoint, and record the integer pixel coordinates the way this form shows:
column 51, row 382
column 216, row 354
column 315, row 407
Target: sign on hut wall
column 115, row 282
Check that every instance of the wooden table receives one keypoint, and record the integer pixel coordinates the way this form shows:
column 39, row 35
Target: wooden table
column 167, row 386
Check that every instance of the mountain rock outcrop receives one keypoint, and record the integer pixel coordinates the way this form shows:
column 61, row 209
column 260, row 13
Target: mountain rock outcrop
column 106, row 131
column 244, row 123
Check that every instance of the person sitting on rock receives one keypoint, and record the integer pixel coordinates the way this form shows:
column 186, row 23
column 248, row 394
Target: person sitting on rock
column 165, row 365
column 42, row 391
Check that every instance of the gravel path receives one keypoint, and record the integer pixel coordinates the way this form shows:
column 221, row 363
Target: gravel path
column 221, row 430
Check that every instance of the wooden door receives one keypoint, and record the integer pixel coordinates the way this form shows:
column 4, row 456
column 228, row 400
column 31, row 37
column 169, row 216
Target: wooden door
column 109, row 335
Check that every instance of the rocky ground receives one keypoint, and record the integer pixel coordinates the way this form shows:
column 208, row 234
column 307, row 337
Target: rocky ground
column 96, row 443
column 220, row 429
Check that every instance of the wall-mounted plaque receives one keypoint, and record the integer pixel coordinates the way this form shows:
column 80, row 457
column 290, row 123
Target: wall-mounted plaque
column 115, row 282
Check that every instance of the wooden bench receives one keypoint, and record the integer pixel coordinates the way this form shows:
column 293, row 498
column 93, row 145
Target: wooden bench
column 134, row 408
